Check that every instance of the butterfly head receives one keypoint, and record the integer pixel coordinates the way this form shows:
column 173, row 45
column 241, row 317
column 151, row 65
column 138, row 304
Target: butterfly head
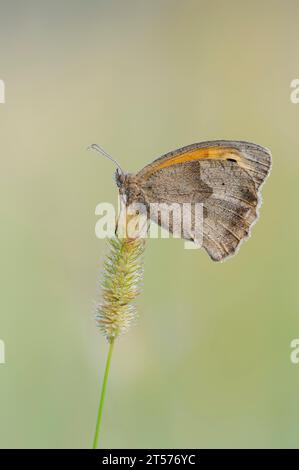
column 129, row 187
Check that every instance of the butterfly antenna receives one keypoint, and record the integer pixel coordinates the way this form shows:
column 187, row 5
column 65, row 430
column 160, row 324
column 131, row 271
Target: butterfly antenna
column 99, row 149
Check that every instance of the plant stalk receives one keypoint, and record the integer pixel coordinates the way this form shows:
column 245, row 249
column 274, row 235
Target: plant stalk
column 102, row 397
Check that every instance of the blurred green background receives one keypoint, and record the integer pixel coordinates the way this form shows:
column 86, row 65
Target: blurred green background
column 208, row 364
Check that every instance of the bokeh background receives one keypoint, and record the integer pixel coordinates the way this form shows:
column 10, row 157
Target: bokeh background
column 208, row 364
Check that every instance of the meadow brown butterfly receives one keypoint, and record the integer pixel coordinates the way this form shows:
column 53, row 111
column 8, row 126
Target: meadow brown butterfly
column 224, row 176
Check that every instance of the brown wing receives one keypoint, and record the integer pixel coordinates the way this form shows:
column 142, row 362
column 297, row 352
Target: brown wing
column 225, row 176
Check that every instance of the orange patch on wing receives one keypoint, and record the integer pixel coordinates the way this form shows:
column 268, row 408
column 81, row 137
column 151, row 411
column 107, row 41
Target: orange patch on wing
column 208, row 153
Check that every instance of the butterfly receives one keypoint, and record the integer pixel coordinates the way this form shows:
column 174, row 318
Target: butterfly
column 224, row 176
